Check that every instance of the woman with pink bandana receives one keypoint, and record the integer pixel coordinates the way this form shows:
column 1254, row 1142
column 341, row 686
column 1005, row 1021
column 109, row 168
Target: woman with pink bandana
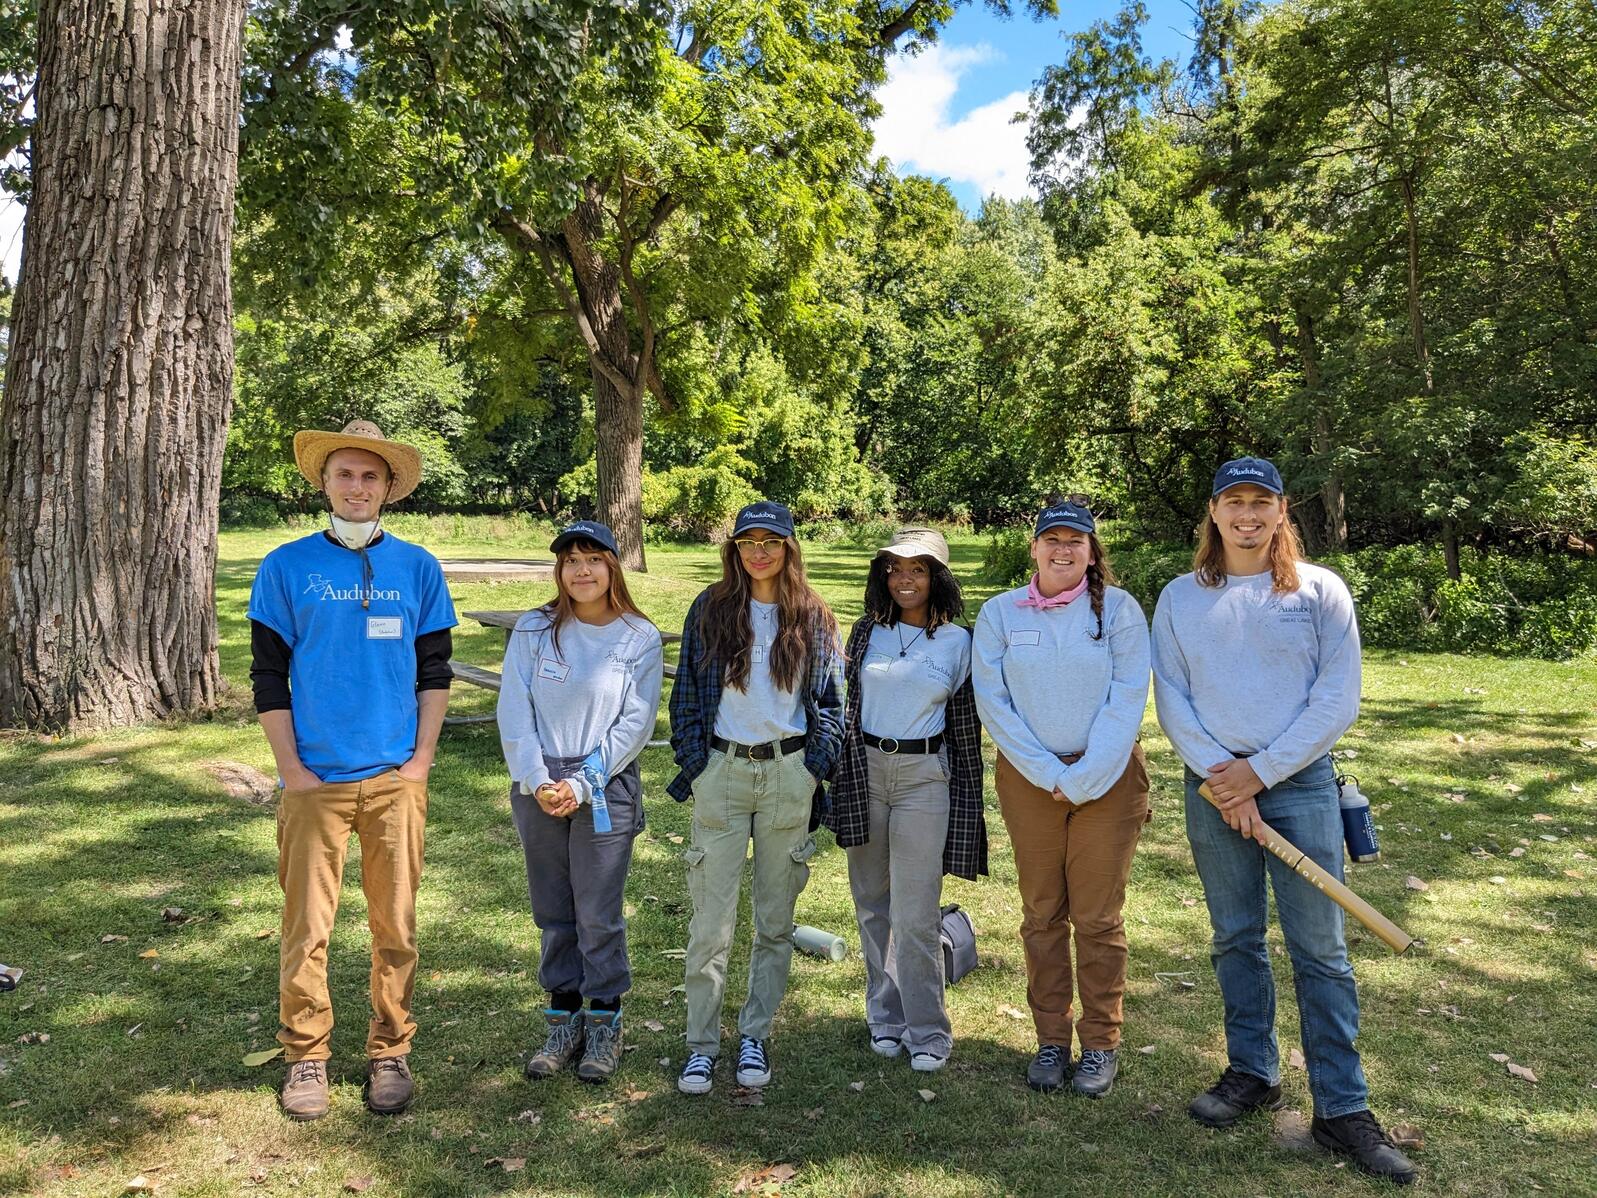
column 1060, row 668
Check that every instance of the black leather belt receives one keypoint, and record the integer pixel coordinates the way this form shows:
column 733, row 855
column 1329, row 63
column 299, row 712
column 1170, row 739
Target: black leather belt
column 763, row 752
column 891, row 744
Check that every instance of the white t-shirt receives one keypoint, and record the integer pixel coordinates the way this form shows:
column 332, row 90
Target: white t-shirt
column 762, row 713
column 907, row 677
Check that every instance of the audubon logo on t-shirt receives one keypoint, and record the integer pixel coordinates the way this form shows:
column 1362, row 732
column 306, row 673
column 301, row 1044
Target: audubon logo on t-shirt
column 325, row 590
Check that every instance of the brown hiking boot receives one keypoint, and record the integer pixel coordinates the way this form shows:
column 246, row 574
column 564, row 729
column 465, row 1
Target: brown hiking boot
column 388, row 1085
column 563, row 1046
column 603, row 1055
column 304, row 1092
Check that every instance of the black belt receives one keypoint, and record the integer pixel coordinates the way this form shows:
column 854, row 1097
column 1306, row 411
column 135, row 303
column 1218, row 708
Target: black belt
column 891, row 744
column 763, row 752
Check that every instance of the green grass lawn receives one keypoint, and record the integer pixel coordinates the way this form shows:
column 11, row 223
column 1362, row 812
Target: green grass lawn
column 1468, row 761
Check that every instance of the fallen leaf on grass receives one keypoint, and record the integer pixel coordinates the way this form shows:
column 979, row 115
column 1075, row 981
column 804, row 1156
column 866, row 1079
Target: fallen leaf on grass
column 172, row 914
column 260, row 1058
column 1012, row 1012
column 1414, row 883
column 675, row 838
column 194, row 1120
column 17, row 1105
column 1291, row 1131
column 634, row 1095
column 265, row 932
column 653, row 1025
column 532, row 1117
column 746, row 1097
column 1516, row 851
column 113, row 938
column 1522, row 1072
column 1406, row 1135
column 510, row 1164
column 149, row 954
column 856, row 1086
column 1511, row 788
column 357, row 1185
column 766, row 1180
column 926, row 1095
column 1295, row 1059
column 1542, row 817
column 34, row 1038
column 1147, row 1050
column 139, row 1185
column 1497, row 880
column 815, row 1112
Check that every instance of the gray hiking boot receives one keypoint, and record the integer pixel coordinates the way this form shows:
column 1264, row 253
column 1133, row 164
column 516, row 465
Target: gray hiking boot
column 304, row 1092
column 563, row 1046
column 389, row 1086
column 1048, row 1068
column 1095, row 1073
column 603, row 1055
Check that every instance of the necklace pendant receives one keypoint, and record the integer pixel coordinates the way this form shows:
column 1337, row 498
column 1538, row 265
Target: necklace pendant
column 903, row 652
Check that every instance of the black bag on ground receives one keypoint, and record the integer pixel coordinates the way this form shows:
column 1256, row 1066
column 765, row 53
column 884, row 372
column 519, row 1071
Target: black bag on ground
column 958, row 935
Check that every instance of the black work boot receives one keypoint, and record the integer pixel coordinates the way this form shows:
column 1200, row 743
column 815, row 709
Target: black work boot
column 1233, row 1096
column 1360, row 1137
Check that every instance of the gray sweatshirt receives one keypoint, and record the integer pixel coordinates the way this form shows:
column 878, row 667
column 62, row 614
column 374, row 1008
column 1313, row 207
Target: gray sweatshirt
column 599, row 690
column 1242, row 669
column 1045, row 687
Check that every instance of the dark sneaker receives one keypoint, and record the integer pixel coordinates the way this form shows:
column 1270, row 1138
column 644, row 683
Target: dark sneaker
column 603, row 1055
column 1233, row 1096
column 754, row 1066
column 304, row 1093
column 1360, row 1137
column 563, row 1046
column 389, row 1086
column 697, row 1074
column 1095, row 1072
column 1048, row 1068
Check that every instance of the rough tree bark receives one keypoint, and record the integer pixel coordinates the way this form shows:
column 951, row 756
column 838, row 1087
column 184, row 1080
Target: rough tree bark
column 1333, row 500
column 118, row 386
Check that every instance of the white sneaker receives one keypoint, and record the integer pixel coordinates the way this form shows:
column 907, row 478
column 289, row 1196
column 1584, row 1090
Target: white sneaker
column 754, row 1067
column 927, row 1062
column 886, row 1046
column 697, row 1074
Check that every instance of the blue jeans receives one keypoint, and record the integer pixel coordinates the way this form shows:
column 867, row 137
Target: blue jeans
column 1304, row 809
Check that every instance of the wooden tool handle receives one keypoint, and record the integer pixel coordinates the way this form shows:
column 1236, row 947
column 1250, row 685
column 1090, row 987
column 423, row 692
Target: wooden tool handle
column 1300, row 863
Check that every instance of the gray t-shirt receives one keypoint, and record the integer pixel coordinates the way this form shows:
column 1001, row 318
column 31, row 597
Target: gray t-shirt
column 762, row 713
column 907, row 677
column 1242, row 669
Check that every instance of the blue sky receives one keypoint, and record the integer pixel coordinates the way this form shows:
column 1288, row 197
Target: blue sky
column 946, row 112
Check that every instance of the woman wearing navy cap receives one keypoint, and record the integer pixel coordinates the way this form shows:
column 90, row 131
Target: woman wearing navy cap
column 578, row 703
column 1061, row 673
column 756, row 721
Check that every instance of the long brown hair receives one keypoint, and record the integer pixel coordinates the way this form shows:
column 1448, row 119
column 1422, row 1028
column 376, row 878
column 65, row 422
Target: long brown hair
column 560, row 609
column 1099, row 575
column 1286, row 551
column 727, row 632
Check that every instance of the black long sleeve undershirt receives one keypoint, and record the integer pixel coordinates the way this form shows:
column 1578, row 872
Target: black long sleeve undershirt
column 269, row 665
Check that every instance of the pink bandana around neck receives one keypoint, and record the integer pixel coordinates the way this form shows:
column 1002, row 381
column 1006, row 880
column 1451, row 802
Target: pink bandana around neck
column 1035, row 598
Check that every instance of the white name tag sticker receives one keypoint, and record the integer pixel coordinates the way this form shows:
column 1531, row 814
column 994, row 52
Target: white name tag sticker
column 384, row 628
column 1026, row 636
column 757, row 654
column 554, row 671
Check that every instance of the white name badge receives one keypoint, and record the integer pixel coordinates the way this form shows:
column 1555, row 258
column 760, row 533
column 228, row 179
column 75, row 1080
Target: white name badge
column 757, row 654
column 1026, row 636
column 384, row 628
column 554, row 671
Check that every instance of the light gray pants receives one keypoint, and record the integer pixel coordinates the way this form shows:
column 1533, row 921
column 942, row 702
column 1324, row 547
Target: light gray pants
column 735, row 799
column 897, row 880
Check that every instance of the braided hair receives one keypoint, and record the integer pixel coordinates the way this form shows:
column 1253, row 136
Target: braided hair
column 1100, row 574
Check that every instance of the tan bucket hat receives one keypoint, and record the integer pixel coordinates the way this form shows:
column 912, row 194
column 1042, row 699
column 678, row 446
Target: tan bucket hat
column 917, row 541
column 312, row 448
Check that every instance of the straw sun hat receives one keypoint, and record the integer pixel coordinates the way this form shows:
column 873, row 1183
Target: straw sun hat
column 312, row 448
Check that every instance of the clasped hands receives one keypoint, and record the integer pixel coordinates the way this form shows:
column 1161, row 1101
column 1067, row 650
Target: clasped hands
column 1236, row 786
column 557, row 799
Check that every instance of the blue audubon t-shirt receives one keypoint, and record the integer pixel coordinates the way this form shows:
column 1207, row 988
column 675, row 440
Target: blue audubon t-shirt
column 352, row 669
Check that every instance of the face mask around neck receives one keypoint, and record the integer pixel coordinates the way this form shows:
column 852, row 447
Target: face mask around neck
column 353, row 535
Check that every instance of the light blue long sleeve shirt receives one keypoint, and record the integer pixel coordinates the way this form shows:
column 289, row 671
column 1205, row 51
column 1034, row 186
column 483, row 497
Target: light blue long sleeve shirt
column 1240, row 669
column 599, row 690
column 1046, row 688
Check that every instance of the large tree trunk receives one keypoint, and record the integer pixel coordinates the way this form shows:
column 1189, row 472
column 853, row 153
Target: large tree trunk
column 119, row 382
column 1333, row 500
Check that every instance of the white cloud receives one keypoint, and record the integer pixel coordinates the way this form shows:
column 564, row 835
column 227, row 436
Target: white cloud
column 981, row 147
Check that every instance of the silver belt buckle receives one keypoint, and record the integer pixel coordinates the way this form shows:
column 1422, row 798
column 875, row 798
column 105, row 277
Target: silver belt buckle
column 888, row 740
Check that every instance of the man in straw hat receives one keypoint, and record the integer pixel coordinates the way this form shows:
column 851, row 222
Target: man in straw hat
column 350, row 634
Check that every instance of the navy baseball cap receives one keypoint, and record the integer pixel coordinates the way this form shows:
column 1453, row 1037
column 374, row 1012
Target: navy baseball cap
column 585, row 530
column 1256, row 471
column 764, row 514
column 1064, row 515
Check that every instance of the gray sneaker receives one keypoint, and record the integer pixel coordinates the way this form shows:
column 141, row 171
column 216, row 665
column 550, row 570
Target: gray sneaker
column 603, row 1055
column 1048, row 1068
column 563, row 1046
column 1095, row 1073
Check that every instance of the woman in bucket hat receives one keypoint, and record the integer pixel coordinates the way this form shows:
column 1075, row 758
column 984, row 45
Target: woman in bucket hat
column 907, row 802
column 581, row 691
column 349, row 631
column 1061, row 673
column 756, row 721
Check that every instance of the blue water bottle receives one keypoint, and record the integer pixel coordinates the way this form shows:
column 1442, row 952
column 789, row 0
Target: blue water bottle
column 1358, row 826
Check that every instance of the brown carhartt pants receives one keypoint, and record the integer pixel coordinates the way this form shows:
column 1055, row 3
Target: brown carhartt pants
column 389, row 814
column 1073, row 863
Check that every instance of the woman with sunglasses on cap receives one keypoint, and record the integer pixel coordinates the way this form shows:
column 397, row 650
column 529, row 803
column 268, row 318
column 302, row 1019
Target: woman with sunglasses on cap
column 580, row 695
column 1061, row 673
column 756, row 720
column 907, row 802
